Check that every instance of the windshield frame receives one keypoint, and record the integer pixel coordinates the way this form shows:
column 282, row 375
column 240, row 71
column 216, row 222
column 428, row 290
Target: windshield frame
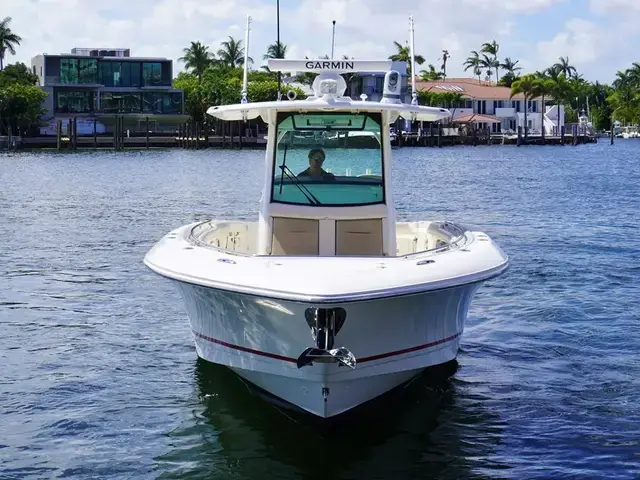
column 283, row 115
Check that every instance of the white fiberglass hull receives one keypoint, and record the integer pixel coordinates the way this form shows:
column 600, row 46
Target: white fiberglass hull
column 393, row 339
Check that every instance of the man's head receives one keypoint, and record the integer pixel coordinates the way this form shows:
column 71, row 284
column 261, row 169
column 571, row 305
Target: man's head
column 316, row 158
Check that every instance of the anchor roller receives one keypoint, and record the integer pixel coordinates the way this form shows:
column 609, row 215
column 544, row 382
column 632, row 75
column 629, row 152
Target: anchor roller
column 325, row 323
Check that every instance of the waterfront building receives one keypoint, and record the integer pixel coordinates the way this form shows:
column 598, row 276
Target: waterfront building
column 93, row 83
column 488, row 106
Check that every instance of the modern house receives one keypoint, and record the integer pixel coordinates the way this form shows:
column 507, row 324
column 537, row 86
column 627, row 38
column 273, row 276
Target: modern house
column 93, row 82
column 488, row 106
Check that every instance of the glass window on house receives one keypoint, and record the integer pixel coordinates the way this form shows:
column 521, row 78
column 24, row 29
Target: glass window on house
column 69, row 70
column 120, row 102
column 73, row 101
column 152, row 102
column 88, row 71
column 379, row 84
column 151, row 74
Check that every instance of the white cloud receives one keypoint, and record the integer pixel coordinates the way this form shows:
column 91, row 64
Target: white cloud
column 364, row 29
column 514, row 5
column 582, row 41
column 602, row 6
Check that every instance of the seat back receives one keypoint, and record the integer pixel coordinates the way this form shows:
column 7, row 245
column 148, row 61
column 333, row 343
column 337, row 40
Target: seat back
column 294, row 236
column 359, row 237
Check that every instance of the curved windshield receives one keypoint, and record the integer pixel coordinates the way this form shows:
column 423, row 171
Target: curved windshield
column 328, row 159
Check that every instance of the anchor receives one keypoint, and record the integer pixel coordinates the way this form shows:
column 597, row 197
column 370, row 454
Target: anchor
column 325, row 323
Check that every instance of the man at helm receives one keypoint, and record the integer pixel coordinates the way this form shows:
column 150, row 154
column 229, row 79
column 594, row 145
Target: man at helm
column 315, row 171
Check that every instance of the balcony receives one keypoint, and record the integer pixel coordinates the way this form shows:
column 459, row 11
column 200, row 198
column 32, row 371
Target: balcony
column 57, row 81
column 505, row 112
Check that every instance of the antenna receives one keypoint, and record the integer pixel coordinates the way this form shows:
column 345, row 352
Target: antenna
column 333, row 38
column 414, row 93
column 278, row 43
column 246, row 60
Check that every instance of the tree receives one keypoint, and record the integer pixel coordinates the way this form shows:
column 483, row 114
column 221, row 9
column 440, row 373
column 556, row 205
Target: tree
column 489, row 63
column 625, row 99
column 275, row 50
column 431, row 74
column 508, row 79
column 231, row 53
column 474, row 62
column 403, row 54
column 221, row 85
column 543, row 87
column 491, row 49
column 17, row 73
column 197, row 58
column 445, row 57
column 20, row 106
column 8, row 40
column 563, row 66
column 510, row 66
column 526, row 86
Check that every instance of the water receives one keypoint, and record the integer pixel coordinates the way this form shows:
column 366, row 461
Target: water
column 99, row 377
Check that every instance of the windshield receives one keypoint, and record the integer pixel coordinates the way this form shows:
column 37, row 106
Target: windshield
column 328, row 159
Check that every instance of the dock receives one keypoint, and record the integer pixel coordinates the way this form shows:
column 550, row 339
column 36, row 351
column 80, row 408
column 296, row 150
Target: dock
column 194, row 135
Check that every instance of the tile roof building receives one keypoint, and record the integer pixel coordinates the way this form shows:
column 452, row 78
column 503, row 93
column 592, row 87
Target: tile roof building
column 489, row 106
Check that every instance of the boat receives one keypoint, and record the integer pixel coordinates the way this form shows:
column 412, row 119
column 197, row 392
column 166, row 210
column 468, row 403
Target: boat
column 327, row 301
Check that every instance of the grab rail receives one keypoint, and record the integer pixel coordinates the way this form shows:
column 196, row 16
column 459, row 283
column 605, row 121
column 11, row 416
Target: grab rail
column 453, row 242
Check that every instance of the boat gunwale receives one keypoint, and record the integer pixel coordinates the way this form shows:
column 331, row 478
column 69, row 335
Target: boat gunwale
column 366, row 296
column 453, row 244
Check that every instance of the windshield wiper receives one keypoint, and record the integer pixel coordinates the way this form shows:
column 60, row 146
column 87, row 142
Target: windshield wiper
column 305, row 191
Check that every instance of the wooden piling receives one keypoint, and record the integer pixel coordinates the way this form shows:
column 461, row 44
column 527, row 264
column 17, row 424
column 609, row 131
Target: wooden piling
column 59, row 134
column 562, row 132
column 611, row 135
column 122, row 132
column 75, row 133
column 95, row 133
column 147, row 131
column 116, row 127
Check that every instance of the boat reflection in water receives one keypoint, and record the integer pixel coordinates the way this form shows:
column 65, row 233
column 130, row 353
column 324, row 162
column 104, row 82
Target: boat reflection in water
column 427, row 427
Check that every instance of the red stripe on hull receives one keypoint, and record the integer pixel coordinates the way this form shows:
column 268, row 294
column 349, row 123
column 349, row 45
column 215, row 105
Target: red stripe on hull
column 358, row 360
column 245, row 349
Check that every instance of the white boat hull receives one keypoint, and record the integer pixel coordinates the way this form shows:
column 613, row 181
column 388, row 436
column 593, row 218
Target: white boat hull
column 393, row 339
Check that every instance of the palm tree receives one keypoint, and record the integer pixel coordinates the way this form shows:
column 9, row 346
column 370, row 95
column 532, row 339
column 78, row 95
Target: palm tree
column 634, row 74
column 510, row 66
column 543, row 87
column 565, row 67
column 625, row 99
column 403, row 54
column 527, row 87
column 492, row 49
column 232, row 53
column 490, row 64
column 8, row 40
column 561, row 90
column 275, row 50
column 445, row 57
column 197, row 58
column 474, row 62
column 431, row 74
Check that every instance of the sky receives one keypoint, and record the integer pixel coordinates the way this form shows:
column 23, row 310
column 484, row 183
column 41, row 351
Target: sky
column 600, row 37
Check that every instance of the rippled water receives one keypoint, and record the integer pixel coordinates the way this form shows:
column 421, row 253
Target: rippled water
column 99, row 376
